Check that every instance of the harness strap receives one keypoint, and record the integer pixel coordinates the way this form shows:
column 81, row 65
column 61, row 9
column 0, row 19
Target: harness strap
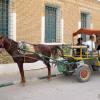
column 24, row 58
column 10, row 45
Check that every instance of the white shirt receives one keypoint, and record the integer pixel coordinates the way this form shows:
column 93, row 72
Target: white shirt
column 91, row 45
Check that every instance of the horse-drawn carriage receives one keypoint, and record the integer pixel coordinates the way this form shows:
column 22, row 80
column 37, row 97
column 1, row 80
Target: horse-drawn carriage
column 62, row 56
column 80, row 65
column 83, row 64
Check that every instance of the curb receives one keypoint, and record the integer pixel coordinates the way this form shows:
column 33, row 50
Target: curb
column 6, row 84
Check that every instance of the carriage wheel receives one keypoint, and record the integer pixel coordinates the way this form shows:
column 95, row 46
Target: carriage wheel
column 83, row 73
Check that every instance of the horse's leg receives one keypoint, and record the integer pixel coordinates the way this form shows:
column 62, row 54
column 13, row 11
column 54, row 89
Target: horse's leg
column 20, row 65
column 49, row 70
column 49, row 73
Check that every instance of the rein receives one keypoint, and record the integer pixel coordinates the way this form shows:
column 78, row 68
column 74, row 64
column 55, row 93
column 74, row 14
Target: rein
column 10, row 45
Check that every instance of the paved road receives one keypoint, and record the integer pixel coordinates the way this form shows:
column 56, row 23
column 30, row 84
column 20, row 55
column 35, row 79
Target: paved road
column 59, row 88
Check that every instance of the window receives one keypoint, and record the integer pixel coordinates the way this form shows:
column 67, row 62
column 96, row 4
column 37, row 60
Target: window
column 4, row 17
column 52, row 24
column 85, row 23
column 83, row 20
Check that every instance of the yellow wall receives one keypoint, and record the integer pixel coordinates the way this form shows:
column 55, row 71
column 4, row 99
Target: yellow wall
column 30, row 12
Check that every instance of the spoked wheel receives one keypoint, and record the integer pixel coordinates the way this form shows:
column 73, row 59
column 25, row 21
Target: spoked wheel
column 83, row 73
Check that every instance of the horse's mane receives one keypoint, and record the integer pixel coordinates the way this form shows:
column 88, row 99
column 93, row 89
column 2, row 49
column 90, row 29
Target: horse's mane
column 10, row 42
column 8, row 39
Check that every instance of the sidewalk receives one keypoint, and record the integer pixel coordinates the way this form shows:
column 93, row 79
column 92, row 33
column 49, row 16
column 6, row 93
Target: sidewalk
column 59, row 88
column 10, row 72
column 13, row 68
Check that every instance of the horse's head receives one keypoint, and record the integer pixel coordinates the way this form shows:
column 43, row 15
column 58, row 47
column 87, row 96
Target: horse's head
column 1, row 43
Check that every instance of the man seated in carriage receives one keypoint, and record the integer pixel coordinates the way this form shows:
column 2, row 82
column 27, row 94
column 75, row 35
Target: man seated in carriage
column 80, row 43
column 98, row 48
column 91, row 45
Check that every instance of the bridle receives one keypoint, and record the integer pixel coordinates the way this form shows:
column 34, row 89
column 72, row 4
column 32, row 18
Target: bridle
column 1, row 43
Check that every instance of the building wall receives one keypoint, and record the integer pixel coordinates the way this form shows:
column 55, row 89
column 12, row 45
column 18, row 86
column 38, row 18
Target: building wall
column 96, row 19
column 30, row 14
column 71, row 13
column 28, row 20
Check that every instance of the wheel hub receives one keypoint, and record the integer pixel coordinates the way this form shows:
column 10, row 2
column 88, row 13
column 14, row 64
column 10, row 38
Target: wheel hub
column 84, row 73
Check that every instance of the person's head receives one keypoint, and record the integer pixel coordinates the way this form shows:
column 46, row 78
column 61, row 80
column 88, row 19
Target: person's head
column 98, row 41
column 79, row 40
column 92, row 38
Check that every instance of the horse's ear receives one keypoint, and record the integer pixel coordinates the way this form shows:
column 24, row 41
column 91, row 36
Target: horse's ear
column 0, row 37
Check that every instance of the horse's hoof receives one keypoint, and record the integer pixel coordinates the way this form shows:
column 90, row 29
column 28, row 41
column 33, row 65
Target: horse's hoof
column 23, row 83
column 49, row 79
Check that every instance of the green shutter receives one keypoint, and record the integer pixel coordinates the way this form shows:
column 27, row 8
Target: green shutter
column 4, row 17
column 50, row 24
column 83, row 23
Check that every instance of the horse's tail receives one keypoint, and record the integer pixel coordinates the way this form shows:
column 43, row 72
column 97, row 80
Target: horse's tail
column 57, row 51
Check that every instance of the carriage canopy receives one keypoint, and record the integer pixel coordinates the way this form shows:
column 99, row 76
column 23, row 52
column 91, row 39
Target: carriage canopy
column 87, row 32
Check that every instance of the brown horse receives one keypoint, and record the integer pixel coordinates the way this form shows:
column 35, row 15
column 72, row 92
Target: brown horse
column 12, row 48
